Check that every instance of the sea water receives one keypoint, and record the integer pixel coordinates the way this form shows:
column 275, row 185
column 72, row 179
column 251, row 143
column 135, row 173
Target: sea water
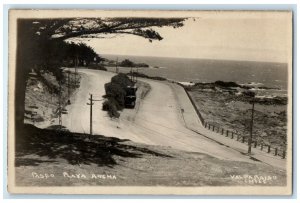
column 252, row 73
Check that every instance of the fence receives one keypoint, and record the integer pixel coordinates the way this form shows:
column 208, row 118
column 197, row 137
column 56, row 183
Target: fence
column 244, row 139
column 237, row 136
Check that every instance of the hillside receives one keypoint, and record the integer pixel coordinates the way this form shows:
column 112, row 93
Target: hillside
column 42, row 97
column 147, row 146
column 47, row 158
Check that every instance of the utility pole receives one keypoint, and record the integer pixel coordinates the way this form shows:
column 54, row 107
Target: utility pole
column 134, row 76
column 117, row 70
column 69, row 94
column 76, row 65
column 91, row 111
column 69, row 83
column 251, row 129
column 59, row 106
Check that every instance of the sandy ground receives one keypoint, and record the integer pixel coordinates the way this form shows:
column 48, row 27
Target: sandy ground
column 158, row 120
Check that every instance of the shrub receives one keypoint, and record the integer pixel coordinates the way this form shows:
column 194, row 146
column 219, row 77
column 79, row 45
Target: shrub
column 110, row 106
column 116, row 92
column 226, row 84
column 122, row 79
column 127, row 63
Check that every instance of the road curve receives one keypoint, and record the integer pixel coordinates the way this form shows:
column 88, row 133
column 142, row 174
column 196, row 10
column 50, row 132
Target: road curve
column 158, row 120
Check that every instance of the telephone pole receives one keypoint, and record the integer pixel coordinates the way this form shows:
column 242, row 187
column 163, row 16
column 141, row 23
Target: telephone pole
column 69, row 83
column 76, row 66
column 59, row 106
column 251, row 129
column 91, row 100
column 91, row 113
column 69, row 94
column 131, row 71
column 117, row 70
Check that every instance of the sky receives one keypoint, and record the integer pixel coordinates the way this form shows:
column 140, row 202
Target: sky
column 257, row 37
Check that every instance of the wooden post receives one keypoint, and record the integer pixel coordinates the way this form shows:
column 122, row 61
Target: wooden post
column 208, row 126
column 251, row 129
column 255, row 144
column 276, row 152
column 60, row 105
column 213, row 128
column 68, row 83
column 91, row 113
column 117, row 70
column 243, row 140
column 231, row 135
column 237, row 137
column 76, row 66
column 269, row 148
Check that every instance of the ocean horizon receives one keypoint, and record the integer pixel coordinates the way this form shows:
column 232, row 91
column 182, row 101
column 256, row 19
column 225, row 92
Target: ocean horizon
column 256, row 73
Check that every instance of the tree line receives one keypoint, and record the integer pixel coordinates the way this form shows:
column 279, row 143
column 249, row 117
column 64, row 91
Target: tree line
column 52, row 55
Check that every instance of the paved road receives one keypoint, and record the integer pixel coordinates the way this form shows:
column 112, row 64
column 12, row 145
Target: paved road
column 158, row 121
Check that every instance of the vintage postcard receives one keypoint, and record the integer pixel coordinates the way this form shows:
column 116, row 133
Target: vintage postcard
column 150, row 102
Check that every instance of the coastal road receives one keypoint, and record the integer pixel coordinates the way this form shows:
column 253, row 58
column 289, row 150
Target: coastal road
column 157, row 119
column 160, row 121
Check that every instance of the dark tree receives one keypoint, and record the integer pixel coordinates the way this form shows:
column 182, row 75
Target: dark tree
column 36, row 34
column 127, row 63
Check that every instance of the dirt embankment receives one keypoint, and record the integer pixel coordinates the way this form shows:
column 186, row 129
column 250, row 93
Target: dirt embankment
column 42, row 96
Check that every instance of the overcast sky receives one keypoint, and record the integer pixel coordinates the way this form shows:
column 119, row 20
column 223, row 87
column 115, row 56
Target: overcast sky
column 255, row 38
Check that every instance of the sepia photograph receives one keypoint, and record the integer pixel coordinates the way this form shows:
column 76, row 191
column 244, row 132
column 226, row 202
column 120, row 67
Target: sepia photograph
column 150, row 102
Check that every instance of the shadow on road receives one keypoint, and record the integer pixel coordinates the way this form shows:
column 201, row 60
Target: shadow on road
column 75, row 148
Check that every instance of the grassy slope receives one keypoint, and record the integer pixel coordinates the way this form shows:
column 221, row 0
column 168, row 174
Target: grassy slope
column 47, row 151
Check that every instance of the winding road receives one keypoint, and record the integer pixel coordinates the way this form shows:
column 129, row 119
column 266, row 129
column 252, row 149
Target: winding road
column 157, row 119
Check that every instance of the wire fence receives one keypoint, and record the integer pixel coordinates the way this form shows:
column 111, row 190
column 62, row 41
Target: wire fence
column 244, row 139
column 237, row 136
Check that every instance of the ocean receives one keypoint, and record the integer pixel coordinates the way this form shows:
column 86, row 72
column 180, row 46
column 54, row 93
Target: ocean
column 267, row 74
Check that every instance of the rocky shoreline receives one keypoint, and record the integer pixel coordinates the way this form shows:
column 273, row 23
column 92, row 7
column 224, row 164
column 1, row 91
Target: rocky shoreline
column 224, row 105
